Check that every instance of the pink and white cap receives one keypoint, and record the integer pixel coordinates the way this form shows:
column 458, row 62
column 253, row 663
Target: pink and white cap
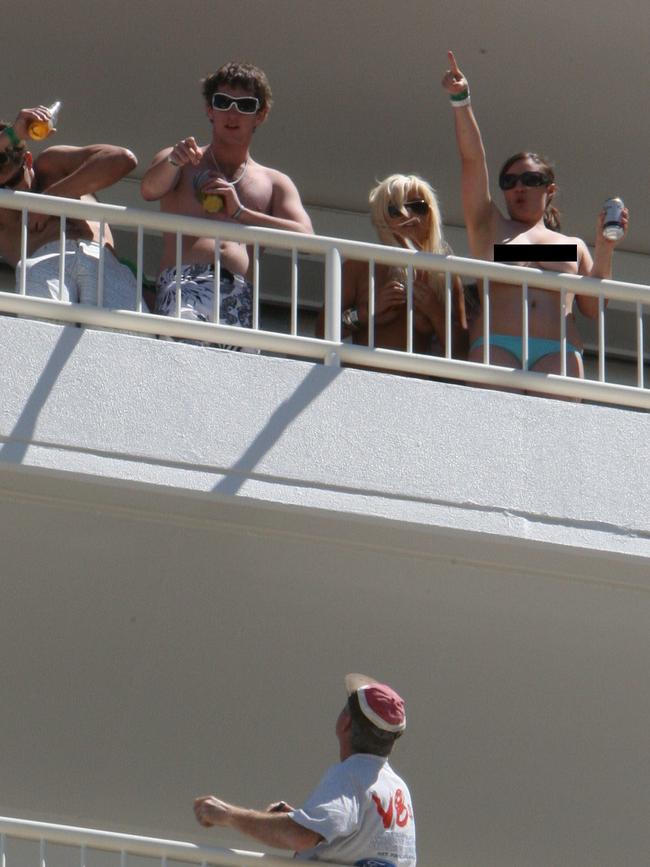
column 378, row 702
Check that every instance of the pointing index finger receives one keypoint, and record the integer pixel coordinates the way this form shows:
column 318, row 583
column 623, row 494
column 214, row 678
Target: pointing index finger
column 452, row 63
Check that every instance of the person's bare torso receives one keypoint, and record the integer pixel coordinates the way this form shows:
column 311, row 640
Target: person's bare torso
column 255, row 191
column 11, row 230
column 391, row 335
column 544, row 306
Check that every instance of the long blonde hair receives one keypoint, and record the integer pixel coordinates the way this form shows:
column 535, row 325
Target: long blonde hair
column 395, row 190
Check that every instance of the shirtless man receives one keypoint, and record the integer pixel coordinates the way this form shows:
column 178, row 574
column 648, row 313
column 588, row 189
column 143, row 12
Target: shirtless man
column 528, row 184
column 72, row 172
column 221, row 181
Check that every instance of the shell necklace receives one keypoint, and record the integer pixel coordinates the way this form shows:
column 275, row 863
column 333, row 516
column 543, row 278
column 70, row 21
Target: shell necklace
column 234, row 181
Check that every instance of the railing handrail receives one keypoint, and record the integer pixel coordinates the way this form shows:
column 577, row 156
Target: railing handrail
column 331, row 350
column 152, row 847
column 124, row 216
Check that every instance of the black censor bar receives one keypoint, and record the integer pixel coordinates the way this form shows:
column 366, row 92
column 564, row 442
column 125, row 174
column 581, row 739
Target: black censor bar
column 535, row 252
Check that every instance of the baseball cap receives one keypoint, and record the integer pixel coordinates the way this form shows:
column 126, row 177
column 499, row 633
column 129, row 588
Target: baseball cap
column 380, row 704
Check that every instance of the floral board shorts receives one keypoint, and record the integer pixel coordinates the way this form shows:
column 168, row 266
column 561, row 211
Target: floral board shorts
column 197, row 297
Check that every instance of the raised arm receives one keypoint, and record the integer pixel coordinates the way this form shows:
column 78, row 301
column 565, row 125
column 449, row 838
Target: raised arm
column 271, row 828
column 478, row 208
column 16, row 132
column 164, row 173
column 600, row 266
column 75, row 171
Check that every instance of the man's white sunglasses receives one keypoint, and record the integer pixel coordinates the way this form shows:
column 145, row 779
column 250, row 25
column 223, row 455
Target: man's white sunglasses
column 243, row 104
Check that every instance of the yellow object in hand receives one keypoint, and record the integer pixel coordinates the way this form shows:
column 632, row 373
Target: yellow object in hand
column 40, row 129
column 212, row 203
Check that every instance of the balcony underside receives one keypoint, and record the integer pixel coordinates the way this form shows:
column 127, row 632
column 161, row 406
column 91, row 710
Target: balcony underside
column 198, row 544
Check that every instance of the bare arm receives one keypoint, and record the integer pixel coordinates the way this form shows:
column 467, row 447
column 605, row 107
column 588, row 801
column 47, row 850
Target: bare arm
column 478, row 207
column 600, row 266
column 24, row 119
column 271, row 828
column 73, row 172
column 286, row 210
column 164, row 173
column 430, row 314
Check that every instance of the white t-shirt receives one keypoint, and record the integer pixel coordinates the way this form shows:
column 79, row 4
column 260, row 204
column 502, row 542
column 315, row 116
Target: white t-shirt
column 363, row 811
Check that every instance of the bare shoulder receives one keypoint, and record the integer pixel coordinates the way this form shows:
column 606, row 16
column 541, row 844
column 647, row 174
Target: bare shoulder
column 585, row 262
column 53, row 163
column 273, row 176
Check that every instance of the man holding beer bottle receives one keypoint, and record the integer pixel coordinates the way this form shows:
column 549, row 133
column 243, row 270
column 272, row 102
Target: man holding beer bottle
column 221, row 181
column 71, row 172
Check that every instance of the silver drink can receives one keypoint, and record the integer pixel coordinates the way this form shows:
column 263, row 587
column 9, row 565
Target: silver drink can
column 613, row 227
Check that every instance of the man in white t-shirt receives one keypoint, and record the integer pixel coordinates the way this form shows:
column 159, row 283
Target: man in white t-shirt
column 360, row 813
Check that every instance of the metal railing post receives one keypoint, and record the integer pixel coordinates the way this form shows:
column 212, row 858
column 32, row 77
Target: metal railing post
column 333, row 302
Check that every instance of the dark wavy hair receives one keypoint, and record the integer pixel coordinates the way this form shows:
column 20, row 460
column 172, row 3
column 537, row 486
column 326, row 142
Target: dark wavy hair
column 366, row 737
column 14, row 154
column 551, row 213
column 239, row 75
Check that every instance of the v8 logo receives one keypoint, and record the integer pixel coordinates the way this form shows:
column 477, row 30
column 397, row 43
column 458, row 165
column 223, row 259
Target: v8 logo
column 397, row 808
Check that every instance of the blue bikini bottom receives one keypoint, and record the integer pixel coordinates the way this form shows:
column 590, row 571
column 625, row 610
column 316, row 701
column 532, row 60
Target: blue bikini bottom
column 538, row 347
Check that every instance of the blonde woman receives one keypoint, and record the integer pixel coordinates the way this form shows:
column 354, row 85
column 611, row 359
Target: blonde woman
column 405, row 213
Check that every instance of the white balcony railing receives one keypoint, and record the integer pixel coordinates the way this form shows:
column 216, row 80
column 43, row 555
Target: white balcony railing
column 59, row 845
column 332, row 350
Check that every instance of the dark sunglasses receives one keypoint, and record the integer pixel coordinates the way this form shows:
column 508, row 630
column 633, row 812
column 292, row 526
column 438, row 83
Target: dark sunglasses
column 528, row 179
column 15, row 179
column 243, row 104
column 417, row 206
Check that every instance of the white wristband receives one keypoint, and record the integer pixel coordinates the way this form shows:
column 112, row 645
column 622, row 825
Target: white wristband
column 459, row 103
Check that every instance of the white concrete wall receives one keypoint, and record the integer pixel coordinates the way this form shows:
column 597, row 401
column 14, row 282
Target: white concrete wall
column 197, row 545
column 294, row 433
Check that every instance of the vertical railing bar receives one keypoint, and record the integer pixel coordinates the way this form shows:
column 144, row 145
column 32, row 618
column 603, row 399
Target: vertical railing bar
column 448, row 314
column 139, row 267
column 601, row 338
column 371, row 304
column 3, row 854
column 333, row 303
column 524, row 326
column 82, row 855
column 42, row 859
column 179, row 269
column 486, row 321
column 62, row 243
column 256, row 286
column 563, row 313
column 639, row 345
column 24, row 226
column 409, row 309
column 123, row 858
column 294, row 291
column 100, row 269
column 216, row 291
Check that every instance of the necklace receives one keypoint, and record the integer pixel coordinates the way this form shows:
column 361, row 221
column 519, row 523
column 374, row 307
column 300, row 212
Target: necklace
column 234, row 181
